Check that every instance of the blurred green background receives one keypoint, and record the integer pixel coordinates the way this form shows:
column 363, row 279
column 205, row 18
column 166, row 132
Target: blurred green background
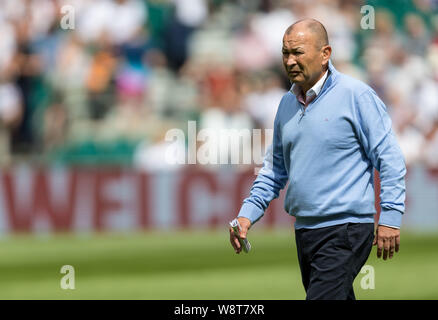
column 194, row 265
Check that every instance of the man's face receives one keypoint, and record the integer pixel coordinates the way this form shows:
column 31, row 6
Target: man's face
column 302, row 58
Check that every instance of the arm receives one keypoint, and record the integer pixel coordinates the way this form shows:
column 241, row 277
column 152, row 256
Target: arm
column 270, row 180
column 380, row 145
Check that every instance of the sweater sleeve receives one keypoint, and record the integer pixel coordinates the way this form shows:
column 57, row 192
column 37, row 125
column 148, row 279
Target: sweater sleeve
column 380, row 145
column 271, row 179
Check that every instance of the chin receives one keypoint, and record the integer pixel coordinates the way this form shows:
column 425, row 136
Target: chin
column 297, row 80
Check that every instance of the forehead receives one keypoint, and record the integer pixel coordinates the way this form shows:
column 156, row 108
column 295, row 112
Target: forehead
column 297, row 38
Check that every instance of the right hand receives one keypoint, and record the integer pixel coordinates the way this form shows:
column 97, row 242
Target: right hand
column 245, row 224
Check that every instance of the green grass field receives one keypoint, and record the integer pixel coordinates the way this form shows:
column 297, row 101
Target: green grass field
column 188, row 265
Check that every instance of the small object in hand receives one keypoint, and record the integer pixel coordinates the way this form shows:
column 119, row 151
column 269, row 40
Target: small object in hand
column 244, row 243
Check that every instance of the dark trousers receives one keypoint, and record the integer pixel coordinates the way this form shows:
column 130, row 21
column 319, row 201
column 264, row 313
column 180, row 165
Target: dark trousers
column 330, row 258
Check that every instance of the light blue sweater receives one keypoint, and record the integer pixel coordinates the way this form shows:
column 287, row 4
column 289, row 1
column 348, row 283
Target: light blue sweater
column 327, row 153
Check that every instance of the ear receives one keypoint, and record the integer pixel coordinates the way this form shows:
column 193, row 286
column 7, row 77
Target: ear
column 326, row 52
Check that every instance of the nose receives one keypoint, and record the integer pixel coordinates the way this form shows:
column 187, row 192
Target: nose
column 290, row 60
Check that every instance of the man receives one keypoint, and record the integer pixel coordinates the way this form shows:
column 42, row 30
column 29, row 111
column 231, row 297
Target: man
column 330, row 131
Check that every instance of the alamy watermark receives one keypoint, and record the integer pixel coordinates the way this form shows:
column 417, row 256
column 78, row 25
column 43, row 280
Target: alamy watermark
column 68, row 19
column 68, row 281
column 367, row 281
column 368, row 19
column 217, row 146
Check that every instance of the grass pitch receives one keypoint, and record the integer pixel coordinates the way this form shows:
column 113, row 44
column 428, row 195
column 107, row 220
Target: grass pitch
column 194, row 265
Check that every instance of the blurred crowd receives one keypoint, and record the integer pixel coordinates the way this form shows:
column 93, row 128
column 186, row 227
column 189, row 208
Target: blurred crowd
column 107, row 88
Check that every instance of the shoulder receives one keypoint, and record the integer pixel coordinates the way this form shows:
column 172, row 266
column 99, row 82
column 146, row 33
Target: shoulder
column 287, row 97
column 361, row 97
column 287, row 108
column 286, row 101
column 353, row 86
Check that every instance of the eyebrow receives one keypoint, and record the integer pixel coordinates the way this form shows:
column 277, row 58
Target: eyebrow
column 292, row 49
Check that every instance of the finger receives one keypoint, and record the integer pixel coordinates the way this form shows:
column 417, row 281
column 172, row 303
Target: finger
column 391, row 247
column 245, row 225
column 379, row 247
column 397, row 243
column 234, row 241
column 386, row 247
column 243, row 231
column 237, row 243
column 238, row 246
column 375, row 240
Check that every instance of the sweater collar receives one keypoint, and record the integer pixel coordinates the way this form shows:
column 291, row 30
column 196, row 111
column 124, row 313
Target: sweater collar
column 322, row 83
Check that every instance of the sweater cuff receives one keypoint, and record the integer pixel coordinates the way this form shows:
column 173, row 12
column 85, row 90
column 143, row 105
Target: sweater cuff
column 390, row 217
column 250, row 211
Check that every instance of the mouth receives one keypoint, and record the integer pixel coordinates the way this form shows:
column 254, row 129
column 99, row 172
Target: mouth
column 294, row 73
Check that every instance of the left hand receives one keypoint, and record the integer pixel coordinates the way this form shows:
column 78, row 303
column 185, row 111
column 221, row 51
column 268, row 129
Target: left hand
column 388, row 240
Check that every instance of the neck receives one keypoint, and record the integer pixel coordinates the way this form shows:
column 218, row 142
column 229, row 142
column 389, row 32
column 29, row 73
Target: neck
column 307, row 86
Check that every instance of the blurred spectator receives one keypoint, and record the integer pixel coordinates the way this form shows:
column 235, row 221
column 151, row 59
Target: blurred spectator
column 191, row 13
column 223, row 112
column 69, row 75
column 409, row 137
column 133, row 69
column 55, row 126
column 270, row 26
column 188, row 16
column 10, row 116
column 7, row 45
column 250, row 52
column 120, row 20
column 417, row 37
column 100, row 78
column 127, row 19
column 28, row 77
column 430, row 156
column 340, row 28
column 262, row 100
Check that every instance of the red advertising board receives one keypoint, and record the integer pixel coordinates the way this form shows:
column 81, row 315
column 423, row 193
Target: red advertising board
column 105, row 199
